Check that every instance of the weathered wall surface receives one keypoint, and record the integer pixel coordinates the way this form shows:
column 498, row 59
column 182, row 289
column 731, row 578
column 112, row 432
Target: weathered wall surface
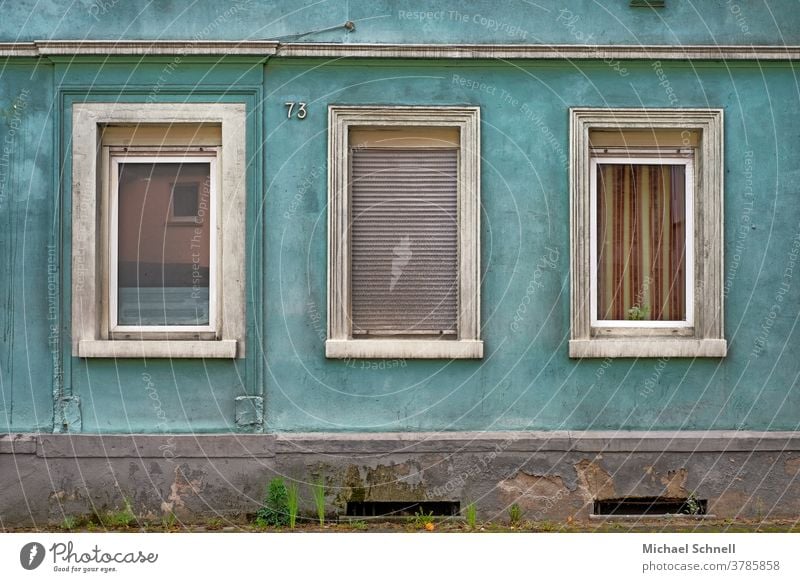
column 526, row 380
column 550, row 476
column 410, row 21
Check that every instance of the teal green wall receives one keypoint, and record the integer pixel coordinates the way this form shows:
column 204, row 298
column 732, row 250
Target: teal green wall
column 454, row 21
column 26, row 229
column 526, row 379
column 159, row 395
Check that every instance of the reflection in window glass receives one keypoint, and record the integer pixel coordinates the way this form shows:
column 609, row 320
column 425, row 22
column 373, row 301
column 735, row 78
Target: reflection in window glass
column 184, row 200
column 163, row 266
column 641, row 242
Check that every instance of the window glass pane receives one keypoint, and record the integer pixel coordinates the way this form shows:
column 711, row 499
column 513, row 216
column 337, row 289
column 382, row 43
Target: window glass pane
column 163, row 267
column 404, row 242
column 641, row 231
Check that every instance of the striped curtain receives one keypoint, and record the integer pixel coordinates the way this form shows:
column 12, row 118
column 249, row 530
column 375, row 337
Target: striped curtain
column 641, row 230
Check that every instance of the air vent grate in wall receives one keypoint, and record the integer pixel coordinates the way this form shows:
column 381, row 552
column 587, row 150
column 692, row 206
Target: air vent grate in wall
column 650, row 506
column 647, row 3
column 401, row 508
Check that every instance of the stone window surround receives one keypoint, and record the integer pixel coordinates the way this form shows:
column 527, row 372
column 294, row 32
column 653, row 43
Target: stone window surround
column 89, row 333
column 707, row 337
column 340, row 343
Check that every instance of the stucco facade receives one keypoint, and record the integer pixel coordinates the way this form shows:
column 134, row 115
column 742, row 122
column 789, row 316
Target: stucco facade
column 403, row 428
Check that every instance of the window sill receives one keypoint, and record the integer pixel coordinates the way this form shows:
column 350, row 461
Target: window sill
column 653, row 348
column 405, row 349
column 157, row 349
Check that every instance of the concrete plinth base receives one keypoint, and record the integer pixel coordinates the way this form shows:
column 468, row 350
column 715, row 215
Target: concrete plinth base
column 550, row 475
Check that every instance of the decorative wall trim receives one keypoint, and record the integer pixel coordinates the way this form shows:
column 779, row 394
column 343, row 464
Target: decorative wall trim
column 157, row 349
column 533, row 51
column 19, row 49
column 206, row 446
column 265, row 48
column 268, row 445
column 538, row 441
column 404, row 349
column 648, row 348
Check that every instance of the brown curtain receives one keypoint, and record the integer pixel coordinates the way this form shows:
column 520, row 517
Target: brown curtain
column 641, row 231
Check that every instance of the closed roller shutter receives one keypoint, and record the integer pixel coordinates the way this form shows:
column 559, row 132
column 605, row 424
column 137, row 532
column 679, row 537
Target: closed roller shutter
column 404, row 241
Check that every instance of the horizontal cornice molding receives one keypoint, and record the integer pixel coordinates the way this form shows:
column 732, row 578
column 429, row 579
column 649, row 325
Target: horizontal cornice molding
column 359, row 444
column 45, row 48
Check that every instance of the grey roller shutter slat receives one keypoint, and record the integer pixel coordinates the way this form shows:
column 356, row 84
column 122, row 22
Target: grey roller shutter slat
column 404, row 241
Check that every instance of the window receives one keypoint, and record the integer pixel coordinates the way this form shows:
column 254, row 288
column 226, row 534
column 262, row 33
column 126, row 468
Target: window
column 646, row 197
column 641, row 247
column 403, row 233
column 161, row 277
column 158, row 230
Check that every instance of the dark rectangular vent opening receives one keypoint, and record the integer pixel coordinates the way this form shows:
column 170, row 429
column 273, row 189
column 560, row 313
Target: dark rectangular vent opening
column 647, row 3
column 401, row 508
column 650, row 506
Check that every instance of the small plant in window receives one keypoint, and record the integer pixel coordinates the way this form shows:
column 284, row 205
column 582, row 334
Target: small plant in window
column 515, row 515
column 275, row 510
column 471, row 514
column 318, row 490
column 638, row 313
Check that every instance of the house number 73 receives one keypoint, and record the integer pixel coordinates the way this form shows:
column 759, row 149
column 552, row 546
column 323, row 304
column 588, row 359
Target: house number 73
column 296, row 107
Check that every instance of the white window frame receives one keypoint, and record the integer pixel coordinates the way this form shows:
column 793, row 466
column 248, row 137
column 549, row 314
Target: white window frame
column 702, row 335
column 113, row 246
column 93, row 336
column 688, row 163
column 340, row 342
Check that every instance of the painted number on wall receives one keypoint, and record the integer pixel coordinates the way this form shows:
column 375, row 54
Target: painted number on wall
column 296, row 108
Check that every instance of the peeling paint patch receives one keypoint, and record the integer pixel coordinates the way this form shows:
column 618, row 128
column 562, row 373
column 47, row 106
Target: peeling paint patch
column 181, row 488
column 537, row 486
column 595, row 482
column 394, row 482
column 63, row 496
column 248, row 412
column 674, row 483
column 70, row 410
column 792, row 467
column 538, row 495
